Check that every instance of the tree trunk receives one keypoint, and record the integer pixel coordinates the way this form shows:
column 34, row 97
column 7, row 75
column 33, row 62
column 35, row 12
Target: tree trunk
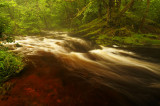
column 118, row 5
column 126, row 2
column 110, row 9
column 100, row 9
column 144, row 16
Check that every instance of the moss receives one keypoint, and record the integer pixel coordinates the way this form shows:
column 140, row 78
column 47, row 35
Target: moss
column 133, row 40
column 89, row 28
column 93, row 33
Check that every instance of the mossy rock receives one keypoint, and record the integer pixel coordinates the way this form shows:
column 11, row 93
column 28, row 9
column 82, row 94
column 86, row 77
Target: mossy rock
column 18, row 45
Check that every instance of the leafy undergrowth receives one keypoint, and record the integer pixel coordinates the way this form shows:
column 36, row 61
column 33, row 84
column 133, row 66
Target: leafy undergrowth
column 10, row 65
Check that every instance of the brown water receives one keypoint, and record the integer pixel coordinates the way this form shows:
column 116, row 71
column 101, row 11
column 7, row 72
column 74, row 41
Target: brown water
column 68, row 71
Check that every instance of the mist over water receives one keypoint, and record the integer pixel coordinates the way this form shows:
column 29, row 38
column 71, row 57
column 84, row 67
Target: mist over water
column 123, row 71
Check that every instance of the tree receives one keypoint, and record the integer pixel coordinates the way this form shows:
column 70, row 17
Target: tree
column 145, row 15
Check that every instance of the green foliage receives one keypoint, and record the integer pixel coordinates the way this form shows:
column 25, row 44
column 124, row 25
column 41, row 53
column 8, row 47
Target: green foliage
column 4, row 25
column 10, row 65
column 139, row 9
column 154, row 10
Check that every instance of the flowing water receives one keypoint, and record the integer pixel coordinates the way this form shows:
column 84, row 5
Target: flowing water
column 68, row 71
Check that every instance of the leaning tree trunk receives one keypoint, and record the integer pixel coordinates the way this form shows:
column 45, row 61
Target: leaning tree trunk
column 126, row 8
column 116, row 19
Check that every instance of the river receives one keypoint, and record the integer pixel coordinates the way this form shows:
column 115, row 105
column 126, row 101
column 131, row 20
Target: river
column 69, row 71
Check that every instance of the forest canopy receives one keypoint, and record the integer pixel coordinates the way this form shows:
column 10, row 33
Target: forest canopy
column 92, row 18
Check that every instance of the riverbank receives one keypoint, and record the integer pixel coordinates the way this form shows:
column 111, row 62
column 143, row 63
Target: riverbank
column 124, row 33
column 135, row 40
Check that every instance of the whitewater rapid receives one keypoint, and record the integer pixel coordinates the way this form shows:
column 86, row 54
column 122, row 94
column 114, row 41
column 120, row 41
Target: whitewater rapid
column 121, row 70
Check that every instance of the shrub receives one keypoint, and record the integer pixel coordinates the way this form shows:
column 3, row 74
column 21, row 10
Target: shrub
column 10, row 65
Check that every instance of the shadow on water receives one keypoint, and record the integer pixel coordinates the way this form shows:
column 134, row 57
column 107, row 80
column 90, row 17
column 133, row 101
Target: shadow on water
column 148, row 53
column 71, row 72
